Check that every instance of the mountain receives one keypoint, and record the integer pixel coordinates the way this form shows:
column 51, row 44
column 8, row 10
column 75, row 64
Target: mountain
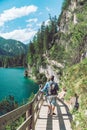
column 12, row 47
column 72, row 34
column 64, row 40
column 12, row 53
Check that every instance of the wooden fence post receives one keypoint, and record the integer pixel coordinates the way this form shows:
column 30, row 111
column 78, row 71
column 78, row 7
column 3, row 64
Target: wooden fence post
column 28, row 113
column 33, row 123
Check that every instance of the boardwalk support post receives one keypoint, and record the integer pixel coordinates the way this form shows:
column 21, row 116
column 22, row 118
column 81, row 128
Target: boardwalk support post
column 28, row 113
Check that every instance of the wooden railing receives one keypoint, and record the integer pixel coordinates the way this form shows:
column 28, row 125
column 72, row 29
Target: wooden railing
column 31, row 110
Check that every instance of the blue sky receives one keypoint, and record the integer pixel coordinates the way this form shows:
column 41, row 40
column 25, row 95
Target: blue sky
column 20, row 19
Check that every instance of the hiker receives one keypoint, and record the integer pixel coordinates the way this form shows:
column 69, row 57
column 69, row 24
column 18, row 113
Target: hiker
column 51, row 94
column 62, row 94
column 74, row 102
column 76, row 105
column 54, row 89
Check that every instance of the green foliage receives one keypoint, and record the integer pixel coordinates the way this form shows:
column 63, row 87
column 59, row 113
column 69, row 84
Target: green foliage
column 8, row 105
column 35, row 71
column 7, row 61
column 57, row 52
column 30, row 55
column 41, row 78
column 82, row 13
column 15, row 124
column 75, row 79
column 65, row 4
column 70, row 45
column 41, row 43
column 31, row 97
column 77, row 34
column 73, row 39
column 79, row 122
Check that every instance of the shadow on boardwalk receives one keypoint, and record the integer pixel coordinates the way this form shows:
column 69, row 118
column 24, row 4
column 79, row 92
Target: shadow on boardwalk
column 60, row 121
column 61, row 115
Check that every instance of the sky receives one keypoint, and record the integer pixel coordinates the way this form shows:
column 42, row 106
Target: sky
column 21, row 19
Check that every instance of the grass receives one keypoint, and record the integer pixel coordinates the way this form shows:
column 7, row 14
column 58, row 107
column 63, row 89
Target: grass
column 75, row 79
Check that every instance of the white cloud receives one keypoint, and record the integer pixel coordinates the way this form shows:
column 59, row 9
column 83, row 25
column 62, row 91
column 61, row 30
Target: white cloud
column 32, row 20
column 14, row 13
column 29, row 25
column 47, row 22
column 23, row 35
column 38, row 24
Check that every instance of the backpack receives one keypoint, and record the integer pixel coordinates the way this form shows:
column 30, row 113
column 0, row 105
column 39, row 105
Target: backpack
column 53, row 89
column 76, row 104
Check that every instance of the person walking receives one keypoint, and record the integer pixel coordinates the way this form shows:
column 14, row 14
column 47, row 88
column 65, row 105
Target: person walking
column 51, row 88
column 62, row 94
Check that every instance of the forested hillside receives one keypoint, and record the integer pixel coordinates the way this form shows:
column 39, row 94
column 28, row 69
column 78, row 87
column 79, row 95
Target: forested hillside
column 64, row 40
column 12, row 53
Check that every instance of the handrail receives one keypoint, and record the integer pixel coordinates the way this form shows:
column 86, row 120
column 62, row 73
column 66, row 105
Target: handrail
column 31, row 110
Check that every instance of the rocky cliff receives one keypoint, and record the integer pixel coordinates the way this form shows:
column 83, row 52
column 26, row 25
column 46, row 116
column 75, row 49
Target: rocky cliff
column 72, row 35
column 69, row 44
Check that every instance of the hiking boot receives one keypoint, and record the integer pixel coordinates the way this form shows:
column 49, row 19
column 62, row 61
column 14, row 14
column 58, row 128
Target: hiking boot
column 54, row 113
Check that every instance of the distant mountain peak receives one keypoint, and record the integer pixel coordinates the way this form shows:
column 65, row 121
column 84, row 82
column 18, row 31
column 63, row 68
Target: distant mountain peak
column 10, row 47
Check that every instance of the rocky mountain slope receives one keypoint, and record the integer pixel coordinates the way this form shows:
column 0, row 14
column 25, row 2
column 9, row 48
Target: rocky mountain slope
column 11, row 47
column 68, row 45
column 71, row 38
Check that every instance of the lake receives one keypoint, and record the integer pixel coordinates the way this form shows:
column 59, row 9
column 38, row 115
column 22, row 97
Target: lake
column 13, row 82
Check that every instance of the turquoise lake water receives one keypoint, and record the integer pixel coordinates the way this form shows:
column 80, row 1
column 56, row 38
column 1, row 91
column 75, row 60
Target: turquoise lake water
column 13, row 82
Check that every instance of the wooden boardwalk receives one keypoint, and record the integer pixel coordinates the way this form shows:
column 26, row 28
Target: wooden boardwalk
column 60, row 121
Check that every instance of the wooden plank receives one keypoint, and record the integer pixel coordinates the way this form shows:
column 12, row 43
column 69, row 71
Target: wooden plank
column 60, row 121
